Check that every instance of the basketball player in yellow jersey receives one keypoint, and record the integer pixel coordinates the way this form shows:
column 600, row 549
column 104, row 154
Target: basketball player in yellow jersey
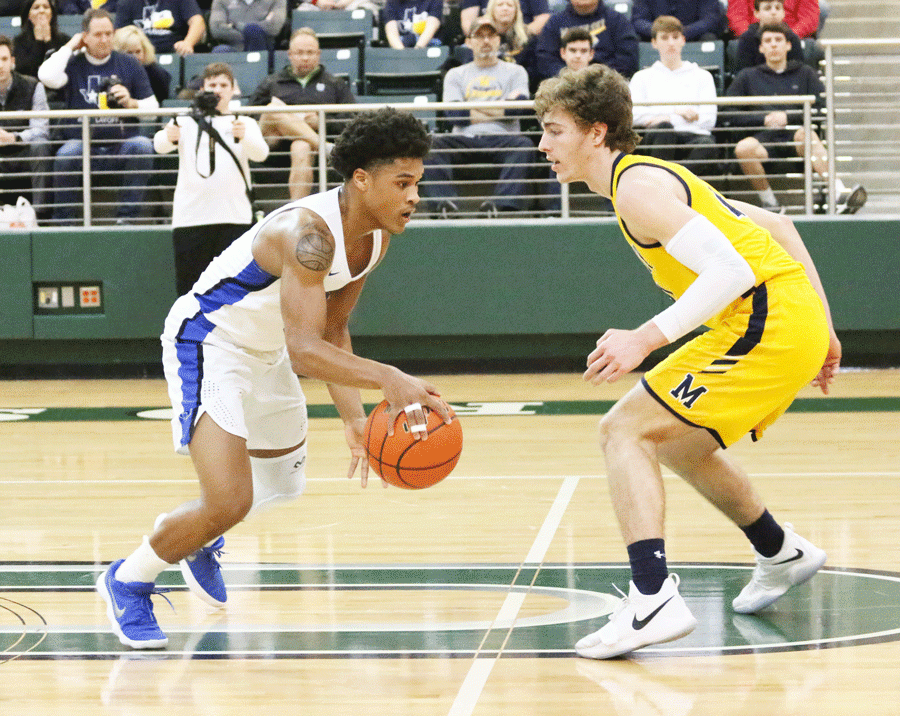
column 738, row 269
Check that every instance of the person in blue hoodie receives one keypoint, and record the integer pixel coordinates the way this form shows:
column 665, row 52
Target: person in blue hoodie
column 702, row 19
column 615, row 41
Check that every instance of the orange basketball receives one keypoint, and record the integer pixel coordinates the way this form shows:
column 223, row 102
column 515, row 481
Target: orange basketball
column 406, row 462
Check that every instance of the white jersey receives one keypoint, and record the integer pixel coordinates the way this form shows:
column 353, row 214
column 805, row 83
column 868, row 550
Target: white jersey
column 239, row 302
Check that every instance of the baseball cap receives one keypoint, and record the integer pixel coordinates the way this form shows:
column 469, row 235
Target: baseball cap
column 484, row 20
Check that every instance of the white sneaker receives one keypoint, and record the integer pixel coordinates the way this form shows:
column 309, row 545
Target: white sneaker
column 852, row 200
column 796, row 562
column 639, row 620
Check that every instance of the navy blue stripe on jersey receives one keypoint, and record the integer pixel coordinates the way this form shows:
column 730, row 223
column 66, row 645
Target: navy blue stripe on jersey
column 190, row 371
column 683, row 419
column 755, row 326
column 687, row 189
column 232, row 290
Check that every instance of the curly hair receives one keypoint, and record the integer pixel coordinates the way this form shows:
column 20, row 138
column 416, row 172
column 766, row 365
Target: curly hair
column 379, row 137
column 590, row 95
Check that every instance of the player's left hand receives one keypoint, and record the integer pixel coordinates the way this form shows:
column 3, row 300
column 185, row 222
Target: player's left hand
column 618, row 352
column 238, row 129
column 831, row 366
column 354, row 431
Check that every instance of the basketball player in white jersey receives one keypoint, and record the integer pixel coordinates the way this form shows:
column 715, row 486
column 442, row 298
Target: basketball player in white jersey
column 273, row 306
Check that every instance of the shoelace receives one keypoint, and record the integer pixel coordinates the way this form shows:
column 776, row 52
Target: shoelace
column 621, row 605
column 147, row 603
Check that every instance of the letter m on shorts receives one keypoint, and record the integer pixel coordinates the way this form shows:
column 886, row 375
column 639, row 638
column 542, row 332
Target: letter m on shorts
column 686, row 394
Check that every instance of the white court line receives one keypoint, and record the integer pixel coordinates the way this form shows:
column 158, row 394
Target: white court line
column 472, row 686
column 666, row 475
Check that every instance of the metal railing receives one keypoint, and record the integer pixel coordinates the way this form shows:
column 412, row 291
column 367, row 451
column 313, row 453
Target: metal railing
column 476, row 186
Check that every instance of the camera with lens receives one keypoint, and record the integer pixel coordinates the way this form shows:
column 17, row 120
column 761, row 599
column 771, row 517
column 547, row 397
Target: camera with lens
column 205, row 104
column 105, row 99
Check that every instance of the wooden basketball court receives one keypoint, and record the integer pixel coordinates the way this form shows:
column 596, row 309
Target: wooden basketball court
column 463, row 599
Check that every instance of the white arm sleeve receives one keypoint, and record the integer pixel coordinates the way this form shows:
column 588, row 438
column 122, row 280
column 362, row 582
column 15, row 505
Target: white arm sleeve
column 722, row 275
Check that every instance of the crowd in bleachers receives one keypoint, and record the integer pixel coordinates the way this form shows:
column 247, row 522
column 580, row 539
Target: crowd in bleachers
column 392, row 50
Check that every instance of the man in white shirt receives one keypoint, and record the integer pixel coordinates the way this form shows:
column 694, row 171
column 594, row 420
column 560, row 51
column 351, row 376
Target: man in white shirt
column 677, row 133
column 211, row 205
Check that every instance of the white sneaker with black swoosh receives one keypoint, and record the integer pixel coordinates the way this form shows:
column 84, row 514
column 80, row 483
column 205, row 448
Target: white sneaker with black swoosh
column 641, row 620
column 796, row 562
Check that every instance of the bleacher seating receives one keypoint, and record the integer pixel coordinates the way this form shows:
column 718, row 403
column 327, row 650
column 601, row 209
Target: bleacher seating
column 428, row 117
column 710, row 55
column 69, row 24
column 250, row 68
column 409, row 71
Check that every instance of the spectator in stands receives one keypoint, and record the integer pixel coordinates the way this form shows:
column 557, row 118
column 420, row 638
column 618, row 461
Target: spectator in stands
column 171, row 25
column 533, row 13
column 132, row 41
column 775, row 127
column 701, row 19
column 577, row 51
column 23, row 143
column 479, row 135
column 412, row 23
column 79, row 7
column 303, row 81
column 99, row 78
column 211, row 206
column 246, row 25
column 39, row 36
column 515, row 43
column 801, row 16
column 614, row 39
column 682, row 132
column 766, row 12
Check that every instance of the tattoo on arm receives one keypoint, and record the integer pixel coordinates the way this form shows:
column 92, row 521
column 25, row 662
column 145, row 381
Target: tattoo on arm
column 314, row 251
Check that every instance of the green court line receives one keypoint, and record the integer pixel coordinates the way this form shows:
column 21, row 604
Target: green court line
column 471, row 409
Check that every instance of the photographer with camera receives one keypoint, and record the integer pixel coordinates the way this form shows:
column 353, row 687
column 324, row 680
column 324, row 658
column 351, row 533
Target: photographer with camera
column 213, row 195
column 96, row 77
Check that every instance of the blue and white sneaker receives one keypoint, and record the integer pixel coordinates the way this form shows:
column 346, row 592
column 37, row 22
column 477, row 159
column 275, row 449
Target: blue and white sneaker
column 130, row 610
column 203, row 575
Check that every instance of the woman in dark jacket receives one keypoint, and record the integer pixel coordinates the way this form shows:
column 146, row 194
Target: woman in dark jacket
column 39, row 37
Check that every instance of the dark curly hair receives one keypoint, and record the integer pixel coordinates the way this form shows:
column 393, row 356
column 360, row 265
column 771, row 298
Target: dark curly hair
column 595, row 93
column 379, row 137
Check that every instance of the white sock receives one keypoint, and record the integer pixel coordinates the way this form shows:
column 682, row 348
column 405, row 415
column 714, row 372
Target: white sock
column 839, row 187
column 142, row 566
column 767, row 196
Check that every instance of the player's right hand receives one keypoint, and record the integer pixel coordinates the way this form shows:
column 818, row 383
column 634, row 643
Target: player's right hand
column 404, row 391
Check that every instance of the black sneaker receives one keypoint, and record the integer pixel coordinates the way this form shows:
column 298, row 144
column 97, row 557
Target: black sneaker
column 852, row 200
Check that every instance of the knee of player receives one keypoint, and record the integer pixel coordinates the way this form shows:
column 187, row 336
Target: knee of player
column 746, row 147
column 301, row 150
column 617, row 428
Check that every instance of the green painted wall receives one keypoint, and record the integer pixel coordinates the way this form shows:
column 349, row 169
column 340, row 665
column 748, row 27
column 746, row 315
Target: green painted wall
column 545, row 289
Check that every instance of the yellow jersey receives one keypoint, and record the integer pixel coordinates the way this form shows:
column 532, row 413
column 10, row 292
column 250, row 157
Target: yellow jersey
column 765, row 255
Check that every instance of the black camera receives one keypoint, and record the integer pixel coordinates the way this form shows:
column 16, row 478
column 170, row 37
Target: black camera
column 205, row 104
column 103, row 88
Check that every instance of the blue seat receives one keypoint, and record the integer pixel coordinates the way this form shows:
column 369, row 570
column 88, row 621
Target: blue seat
column 710, row 55
column 622, row 6
column 426, row 115
column 337, row 28
column 69, row 24
column 10, row 25
column 249, row 68
column 414, row 70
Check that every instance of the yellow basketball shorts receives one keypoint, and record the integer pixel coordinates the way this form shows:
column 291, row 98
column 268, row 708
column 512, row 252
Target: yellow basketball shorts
column 742, row 374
